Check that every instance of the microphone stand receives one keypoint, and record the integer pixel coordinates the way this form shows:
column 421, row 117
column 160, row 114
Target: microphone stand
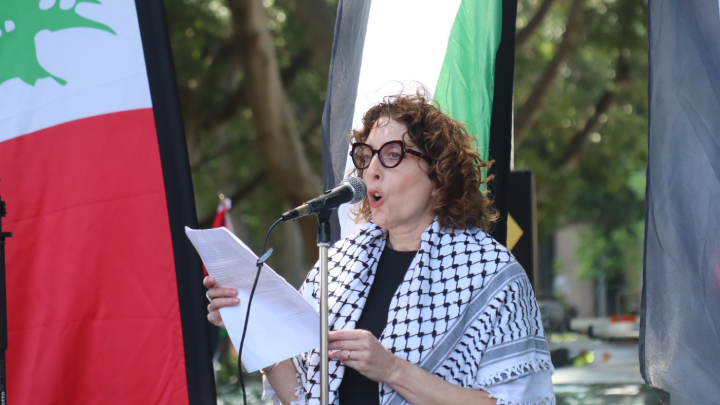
column 3, row 308
column 323, row 243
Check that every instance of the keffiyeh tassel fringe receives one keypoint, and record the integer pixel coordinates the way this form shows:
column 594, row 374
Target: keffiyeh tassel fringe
column 518, row 371
column 269, row 393
column 299, row 393
column 532, row 401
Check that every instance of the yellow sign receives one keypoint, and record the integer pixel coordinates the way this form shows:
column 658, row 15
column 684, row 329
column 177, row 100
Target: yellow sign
column 513, row 233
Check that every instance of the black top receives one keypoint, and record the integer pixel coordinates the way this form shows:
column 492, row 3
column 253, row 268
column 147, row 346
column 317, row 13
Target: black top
column 391, row 269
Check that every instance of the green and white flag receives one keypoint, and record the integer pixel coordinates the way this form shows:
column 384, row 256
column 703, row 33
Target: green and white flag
column 383, row 47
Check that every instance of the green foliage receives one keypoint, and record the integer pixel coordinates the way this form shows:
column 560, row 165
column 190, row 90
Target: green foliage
column 22, row 21
column 611, row 250
column 606, row 189
column 228, row 386
column 221, row 137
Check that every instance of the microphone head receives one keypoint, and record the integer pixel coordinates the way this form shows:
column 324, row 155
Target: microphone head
column 358, row 186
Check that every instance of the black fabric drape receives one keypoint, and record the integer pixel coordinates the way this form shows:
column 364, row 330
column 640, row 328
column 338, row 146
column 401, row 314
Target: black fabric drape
column 180, row 200
column 680, row 319
column 345, row 62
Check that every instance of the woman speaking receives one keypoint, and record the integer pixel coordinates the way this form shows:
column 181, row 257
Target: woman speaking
column 425, row 307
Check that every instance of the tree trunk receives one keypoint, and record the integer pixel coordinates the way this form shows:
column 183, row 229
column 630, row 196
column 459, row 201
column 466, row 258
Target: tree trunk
column 287, row 261
column 318, row 19
column 278, row 139
column 533, row 106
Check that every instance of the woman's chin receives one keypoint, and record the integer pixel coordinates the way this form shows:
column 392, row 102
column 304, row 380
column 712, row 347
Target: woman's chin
column 378, row 218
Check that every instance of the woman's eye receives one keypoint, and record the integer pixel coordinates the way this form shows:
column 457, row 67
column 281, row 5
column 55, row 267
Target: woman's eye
column 394, row 155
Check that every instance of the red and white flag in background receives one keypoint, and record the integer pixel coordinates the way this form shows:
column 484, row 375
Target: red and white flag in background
column 94, row 312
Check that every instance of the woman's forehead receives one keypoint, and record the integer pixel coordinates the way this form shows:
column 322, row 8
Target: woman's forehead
column 386, row 130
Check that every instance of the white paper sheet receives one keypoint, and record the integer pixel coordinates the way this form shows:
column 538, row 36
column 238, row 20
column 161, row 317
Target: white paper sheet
column 282, row 324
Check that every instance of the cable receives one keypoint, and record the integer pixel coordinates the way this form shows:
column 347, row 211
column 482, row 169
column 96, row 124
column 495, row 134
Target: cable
column 260, row 263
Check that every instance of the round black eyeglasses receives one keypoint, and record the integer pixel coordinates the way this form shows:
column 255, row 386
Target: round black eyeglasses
column 390, row 154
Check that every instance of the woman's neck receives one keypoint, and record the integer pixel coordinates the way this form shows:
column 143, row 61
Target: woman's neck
column 408, row 238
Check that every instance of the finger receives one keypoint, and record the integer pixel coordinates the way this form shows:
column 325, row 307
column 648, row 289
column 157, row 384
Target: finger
column 215, row 319
column 345, row 344
column 222, row 292
column 343, row 355
column 209, row 282
column 357, row 365
column 355, row 355
column 351, row 334
column 219, row 324
column 218, row 303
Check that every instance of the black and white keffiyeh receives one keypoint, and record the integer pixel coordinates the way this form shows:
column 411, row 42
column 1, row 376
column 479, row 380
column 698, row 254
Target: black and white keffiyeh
column 465, row 312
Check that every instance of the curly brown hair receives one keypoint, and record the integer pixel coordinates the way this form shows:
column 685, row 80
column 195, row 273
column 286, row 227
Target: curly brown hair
column 455, row 167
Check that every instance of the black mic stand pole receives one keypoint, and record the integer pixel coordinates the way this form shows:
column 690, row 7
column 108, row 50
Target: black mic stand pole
column 323, row 243
column 3, row 309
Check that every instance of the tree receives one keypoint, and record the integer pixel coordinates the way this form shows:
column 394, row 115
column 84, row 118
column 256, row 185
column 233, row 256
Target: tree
column 587, row 141
column 253, row 75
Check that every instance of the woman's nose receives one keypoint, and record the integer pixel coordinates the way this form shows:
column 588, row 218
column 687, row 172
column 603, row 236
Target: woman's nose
column 375, row 168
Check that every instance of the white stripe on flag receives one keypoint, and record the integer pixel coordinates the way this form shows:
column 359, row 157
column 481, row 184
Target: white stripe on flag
column 405, row 42
column 105, row 72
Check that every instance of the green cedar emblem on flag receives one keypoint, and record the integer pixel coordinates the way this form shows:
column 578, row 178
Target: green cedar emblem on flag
column 20, row 22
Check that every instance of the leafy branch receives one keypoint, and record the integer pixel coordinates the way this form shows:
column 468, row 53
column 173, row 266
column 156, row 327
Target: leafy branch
column 532, row 107
column 570, row 156
column 523, row 36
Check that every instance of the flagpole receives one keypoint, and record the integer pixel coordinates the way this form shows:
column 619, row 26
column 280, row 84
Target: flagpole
column 323, row 242
column 3, row 308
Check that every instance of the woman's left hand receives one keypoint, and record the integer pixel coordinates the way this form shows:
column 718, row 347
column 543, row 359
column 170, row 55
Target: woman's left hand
column 360, row 350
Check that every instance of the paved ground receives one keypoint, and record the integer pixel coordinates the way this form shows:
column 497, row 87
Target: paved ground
column 611, row 363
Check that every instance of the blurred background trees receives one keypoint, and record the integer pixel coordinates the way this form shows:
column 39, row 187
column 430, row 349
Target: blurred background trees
column 581, row 125
column 252, row 76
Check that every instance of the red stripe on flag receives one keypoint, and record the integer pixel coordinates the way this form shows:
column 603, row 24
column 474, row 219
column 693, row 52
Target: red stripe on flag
column 93, row 313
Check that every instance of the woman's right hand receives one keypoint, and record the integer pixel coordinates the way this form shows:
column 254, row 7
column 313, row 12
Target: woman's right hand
column 221, row 297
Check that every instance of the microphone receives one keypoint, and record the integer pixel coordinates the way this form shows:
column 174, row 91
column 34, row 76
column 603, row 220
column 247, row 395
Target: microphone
column 351, row 190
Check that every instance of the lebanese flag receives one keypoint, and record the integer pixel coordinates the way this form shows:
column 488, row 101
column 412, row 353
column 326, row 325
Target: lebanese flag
column 105, row 303
column 222, row 218
column 452, row 48
column 222, row 215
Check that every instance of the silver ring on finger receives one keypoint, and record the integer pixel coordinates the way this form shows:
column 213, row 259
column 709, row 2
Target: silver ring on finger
column 207, row 295
column 349, row 351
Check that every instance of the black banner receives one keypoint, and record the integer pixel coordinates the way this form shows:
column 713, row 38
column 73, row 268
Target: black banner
column 180, row 201
column 522, row 209
column 501, row 121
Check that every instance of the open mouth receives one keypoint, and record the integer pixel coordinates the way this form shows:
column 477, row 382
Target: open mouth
column 374, row 196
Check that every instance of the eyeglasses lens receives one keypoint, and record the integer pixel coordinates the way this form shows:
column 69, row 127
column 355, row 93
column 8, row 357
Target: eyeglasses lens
column 362, row 155
column 391, row 154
